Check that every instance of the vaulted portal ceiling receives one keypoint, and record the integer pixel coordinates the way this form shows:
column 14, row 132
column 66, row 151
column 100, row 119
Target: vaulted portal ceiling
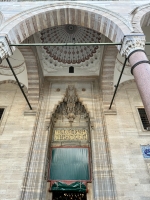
column 70, row 33
column 56, row 60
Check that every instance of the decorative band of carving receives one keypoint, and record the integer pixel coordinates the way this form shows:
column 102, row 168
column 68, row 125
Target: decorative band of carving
column 135, row 52
column 138, row 63
column 132, row 43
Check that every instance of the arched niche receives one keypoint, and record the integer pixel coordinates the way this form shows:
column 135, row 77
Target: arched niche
column 69, row 151
column 71, row 114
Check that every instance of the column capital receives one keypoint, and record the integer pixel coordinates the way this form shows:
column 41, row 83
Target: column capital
column 5, row 49
column 131, row 43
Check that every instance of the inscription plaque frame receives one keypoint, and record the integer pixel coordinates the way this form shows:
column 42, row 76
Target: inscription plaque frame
column 70, row 134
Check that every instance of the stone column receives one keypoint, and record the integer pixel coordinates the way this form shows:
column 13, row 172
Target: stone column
column 141, row 72
column 5, row 49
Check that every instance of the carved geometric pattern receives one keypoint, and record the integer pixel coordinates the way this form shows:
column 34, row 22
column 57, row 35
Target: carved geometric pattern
column 69, row 34
column 131, row 43
column 70, row 107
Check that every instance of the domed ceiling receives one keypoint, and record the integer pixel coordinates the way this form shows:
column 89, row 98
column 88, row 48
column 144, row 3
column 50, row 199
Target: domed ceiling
column 56, row 60
column 69, row 34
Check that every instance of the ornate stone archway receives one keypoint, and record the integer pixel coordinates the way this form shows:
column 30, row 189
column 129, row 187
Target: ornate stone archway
column 102, row 174
column 27, row 23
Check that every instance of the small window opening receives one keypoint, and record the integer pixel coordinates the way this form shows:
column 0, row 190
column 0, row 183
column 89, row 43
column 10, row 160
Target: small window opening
column 71, row 69
column 144, row 119
column 1, row 112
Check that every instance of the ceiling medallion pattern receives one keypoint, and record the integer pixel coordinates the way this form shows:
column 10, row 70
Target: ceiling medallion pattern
column 69, row 34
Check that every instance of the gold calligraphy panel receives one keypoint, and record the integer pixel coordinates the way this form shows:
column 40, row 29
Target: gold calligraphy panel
column 70, row 134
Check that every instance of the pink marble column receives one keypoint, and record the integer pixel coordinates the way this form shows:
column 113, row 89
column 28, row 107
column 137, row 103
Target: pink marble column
column 142, row 77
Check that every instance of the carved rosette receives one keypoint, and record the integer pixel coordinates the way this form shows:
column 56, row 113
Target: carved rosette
column 5, row 50
column 131, row 43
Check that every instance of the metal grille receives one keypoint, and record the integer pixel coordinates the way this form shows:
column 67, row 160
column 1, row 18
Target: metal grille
column 1, row 112
column 144, row 119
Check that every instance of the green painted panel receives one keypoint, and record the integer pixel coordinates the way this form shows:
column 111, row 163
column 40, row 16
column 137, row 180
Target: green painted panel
column 69, row 164
column 74, row 187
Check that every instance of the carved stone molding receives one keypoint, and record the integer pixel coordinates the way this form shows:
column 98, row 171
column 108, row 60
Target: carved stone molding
column 131, row 43
column 70, row 107
column 5, row 50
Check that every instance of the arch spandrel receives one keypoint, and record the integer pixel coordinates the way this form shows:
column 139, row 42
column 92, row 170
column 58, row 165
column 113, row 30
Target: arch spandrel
column 102, row 20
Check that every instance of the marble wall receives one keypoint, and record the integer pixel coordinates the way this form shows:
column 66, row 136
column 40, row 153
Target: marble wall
column 126, row 135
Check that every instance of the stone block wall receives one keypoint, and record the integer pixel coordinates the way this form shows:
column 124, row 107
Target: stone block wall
column 119, row 135
column 33, row 75
column 126, row 136
column 106, row 82
column 15, row 138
